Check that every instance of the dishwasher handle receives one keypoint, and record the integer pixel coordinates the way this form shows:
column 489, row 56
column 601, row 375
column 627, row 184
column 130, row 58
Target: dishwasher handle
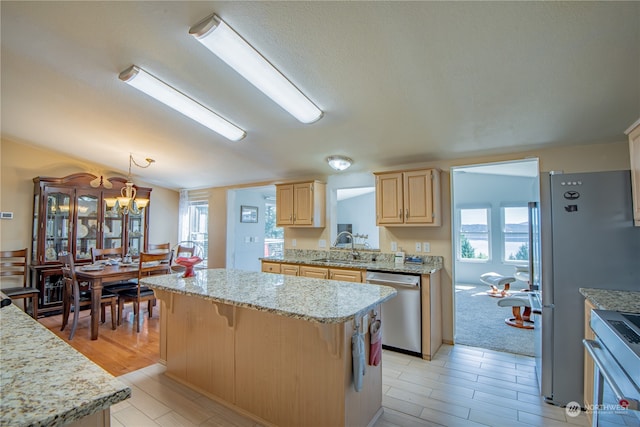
column 415, row 284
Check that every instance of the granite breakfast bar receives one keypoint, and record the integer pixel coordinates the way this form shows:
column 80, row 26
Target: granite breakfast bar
column 46, row 382
column 276, row 348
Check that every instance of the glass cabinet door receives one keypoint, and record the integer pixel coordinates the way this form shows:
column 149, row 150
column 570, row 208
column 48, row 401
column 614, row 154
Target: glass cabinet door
column 35, row 229
column 136, row 232
column 112, row 231
column 87, row 224
column 58, row 231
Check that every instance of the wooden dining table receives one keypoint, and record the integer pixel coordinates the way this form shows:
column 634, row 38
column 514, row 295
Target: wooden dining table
column 96, row 279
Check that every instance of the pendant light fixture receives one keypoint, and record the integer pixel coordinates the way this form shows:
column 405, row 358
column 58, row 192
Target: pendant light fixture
column 128, row 202
column 229, row 46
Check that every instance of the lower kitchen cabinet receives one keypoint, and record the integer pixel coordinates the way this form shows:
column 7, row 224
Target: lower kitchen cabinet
column 431, row 315
column 345, row 275
column 271, row 267
column 290, row 269
column 588, row 360
column 314, row 272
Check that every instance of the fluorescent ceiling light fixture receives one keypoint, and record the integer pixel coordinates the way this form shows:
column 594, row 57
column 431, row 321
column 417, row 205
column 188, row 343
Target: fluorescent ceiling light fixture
column 156, row 88
column 339, row 163
column 229, row 46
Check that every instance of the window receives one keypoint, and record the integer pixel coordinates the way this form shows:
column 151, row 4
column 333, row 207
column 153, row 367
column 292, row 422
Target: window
column 473, row 237
column 515, row 233
column 273, row 236
column 194, row 221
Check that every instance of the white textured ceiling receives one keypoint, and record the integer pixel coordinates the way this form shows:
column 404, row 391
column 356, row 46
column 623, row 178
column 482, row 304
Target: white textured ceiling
column 399, row 82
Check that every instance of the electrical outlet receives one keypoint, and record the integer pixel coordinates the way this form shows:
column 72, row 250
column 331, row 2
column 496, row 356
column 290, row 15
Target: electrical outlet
column 418, row 247
column 322, row 243
column 426, row 247
column 394, row 246
column 294, row 243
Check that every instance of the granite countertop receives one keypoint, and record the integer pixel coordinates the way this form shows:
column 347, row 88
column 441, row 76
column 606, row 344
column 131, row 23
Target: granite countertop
column 46, row 382
column 429, row 267
column 315, row 300
column 606, row 299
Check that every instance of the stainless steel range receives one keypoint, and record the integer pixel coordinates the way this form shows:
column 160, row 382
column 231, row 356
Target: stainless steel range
column 616, row 353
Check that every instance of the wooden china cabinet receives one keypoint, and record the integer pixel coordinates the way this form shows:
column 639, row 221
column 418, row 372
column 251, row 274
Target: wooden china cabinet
column 69, row 215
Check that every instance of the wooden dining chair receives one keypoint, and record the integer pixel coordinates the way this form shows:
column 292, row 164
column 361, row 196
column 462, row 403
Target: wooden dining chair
column 102, row 254
column 14, row 263
column 154, row 248
column 73, row 296
column 148, row 264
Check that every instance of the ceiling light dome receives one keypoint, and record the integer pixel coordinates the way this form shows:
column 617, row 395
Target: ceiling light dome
column 339, row 163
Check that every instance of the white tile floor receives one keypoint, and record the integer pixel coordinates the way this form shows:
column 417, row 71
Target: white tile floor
column 462, row 386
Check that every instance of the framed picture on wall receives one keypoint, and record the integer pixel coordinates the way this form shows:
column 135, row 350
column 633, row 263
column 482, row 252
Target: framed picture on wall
column 248, row 214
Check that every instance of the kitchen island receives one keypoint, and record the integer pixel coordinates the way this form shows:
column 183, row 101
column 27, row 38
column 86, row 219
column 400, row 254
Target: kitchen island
column 273, row 347
column 46, row 382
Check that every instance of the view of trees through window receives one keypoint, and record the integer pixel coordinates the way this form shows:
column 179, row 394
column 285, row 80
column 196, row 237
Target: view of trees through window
column 273, row 236
column 516, row 233
column 475, row 234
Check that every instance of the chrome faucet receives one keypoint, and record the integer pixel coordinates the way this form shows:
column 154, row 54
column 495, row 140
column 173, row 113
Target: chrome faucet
column 354, row 253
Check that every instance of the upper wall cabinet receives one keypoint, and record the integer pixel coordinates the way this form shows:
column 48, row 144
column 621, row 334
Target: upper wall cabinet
column 301, row 204
column 408, row 198
column 634, row 157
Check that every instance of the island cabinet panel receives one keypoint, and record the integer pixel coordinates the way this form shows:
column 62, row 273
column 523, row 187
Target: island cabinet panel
column 277, row 369
column 193, row 355
column 314, row 272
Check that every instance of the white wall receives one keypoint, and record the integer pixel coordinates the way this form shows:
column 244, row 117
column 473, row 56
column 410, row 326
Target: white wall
column 245, row 241
column 494, row 191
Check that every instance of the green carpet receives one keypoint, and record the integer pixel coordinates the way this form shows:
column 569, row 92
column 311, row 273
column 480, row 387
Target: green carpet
column 480, row 323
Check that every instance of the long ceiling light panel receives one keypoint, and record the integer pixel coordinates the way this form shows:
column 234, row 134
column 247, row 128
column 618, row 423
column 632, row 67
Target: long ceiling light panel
column 156, row 88
column 229, row 46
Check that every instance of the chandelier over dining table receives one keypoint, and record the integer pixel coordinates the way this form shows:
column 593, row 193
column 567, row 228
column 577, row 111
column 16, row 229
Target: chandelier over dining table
column 127, row 201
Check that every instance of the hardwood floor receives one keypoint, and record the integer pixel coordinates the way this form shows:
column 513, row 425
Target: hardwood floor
column 117, row 351
column 462, row 386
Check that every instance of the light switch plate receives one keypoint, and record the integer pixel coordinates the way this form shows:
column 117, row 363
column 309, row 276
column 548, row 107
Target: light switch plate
column 418, row 247
column 322, row 243
column 426, row 247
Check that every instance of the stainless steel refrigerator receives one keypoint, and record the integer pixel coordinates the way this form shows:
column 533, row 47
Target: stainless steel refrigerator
column 587, row 241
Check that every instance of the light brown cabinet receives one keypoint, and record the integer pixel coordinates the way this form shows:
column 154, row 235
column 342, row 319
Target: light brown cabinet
column 301, row 204
column 408, row 198
column 271, row 267
column 634, row 156
column 588, row 360
column 290, row 269
column 314, row 271
column 345, row 275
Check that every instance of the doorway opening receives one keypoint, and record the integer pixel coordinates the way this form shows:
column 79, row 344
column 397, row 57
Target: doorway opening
column 490, row 234
column 251, row 227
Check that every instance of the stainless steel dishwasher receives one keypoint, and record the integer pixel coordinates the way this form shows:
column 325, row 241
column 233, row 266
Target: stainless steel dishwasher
column 402, row 315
